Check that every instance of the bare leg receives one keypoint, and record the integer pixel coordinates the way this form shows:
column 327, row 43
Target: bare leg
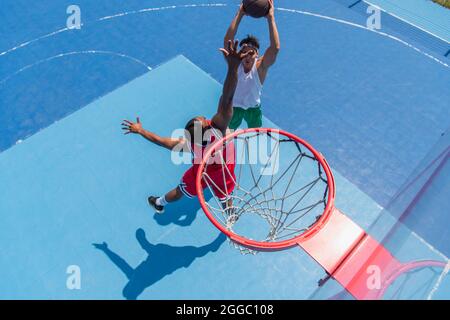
column 232, row 217
column 228, row 205
column 174, row 195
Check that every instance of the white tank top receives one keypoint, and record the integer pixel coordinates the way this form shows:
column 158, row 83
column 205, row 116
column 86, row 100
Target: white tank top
column 249, row 88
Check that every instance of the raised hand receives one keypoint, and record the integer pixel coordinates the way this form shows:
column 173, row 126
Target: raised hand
column 271, row 12
column 232, row 56
column 130, row 127
column 241, row 11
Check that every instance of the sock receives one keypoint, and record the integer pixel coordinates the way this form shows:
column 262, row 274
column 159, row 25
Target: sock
column 161, row 201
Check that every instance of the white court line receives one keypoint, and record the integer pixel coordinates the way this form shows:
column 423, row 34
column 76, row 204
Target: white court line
column 225, row 5
column 164, row 8
column 366, row 28
column 429, row 246
column 100, row 52
column 439, row 281
column 34, row 40
column 111, row 17
column 406, row 21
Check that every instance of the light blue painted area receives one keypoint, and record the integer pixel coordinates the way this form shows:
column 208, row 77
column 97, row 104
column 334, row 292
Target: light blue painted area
column 424, row 14
column 81, row 181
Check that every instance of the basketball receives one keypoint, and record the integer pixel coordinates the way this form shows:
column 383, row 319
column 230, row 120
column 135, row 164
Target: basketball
column 256, row 8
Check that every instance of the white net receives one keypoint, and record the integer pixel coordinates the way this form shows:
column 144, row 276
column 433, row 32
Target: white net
column 267, row 188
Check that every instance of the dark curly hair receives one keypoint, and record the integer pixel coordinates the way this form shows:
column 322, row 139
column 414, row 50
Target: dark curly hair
column 250, row 40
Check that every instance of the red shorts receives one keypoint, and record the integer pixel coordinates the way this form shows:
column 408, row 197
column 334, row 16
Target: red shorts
column 221, row 186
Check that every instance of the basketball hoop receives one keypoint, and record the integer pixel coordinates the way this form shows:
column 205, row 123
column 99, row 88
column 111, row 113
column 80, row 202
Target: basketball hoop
column 273, row 191
column 283, row 189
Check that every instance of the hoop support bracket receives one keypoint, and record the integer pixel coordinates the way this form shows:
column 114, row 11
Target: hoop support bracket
column 351, row 256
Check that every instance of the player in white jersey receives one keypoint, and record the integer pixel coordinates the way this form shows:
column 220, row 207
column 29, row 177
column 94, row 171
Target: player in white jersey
column 252, row 72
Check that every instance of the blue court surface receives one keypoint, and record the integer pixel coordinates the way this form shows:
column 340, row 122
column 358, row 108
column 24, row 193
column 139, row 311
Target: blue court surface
column 375, row 103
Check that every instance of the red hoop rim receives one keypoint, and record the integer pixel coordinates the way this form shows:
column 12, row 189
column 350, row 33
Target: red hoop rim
column 259, row 245
column 405, row 268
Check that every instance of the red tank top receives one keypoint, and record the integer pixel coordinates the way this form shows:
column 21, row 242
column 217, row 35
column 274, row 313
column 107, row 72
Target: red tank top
column 217, row 159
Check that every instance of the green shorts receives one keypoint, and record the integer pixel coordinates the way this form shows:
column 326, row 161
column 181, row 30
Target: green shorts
column 253, row 117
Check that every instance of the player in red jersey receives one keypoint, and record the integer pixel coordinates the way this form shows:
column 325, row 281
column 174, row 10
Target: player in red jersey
column 200, row 133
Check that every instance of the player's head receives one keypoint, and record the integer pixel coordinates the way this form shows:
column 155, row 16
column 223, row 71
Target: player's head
column 195, row 129
column 250, row 43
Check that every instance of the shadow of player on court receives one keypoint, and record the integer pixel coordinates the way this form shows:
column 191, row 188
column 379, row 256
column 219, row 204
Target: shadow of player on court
column 162, row 260
column 182, row 212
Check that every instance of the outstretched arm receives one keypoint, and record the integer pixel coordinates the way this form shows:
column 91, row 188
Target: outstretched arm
column 136, row 128
column 116, row 259
column 271, row 53
column 225, row 110
column 232, row 29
